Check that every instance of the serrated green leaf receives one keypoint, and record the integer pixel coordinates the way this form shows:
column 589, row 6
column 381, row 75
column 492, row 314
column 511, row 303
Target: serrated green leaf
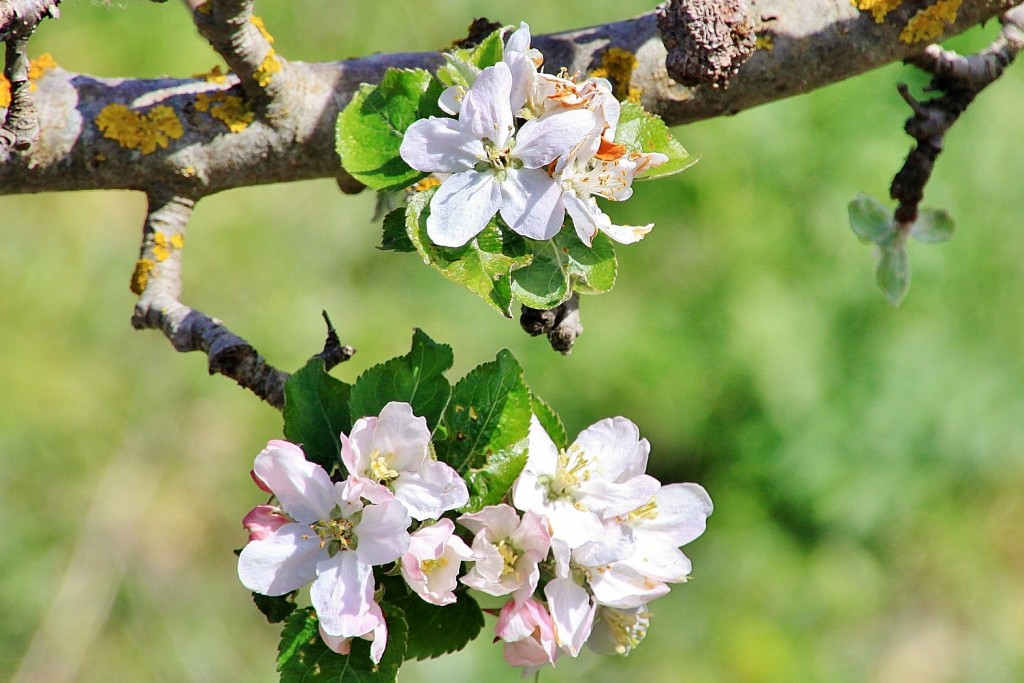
column 870, row 219
column 304, row 658
column 395, row 237
column 370, row 129
column 933, row 226
column 563, row 265
column 316, row 412
column 462, row 64
column 483, row 266
column 489, row 413
column 437, row 630
column 275, row 608
column 416, row 378
column 641, row 131
column 893, row 273
column 490, row 484
column 550, row 421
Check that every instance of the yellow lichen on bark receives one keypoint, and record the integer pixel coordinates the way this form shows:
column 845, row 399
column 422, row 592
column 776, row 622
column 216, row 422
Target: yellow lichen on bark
column 214, row 75
column 879, row 8
column 931, row 22
column 764, row 42
column 617, row 66
column 270, row 66
column 142, row 131
column 140, row 276
column 231, row 110
column 258, row 23
column 164, row 246
column 36, row 68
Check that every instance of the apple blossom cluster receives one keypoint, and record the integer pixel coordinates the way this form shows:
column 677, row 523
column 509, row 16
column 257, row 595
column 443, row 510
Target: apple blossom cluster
column 528, row 146
column 588, row 540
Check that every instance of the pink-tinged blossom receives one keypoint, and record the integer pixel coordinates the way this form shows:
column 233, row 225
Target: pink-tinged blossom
column 600, row 475
column 507, row 551
column 332, row 539
column 529, row 635
column 263, row 520
column 431, row 567
column 389, row 456
column 378, row 637
column 572, row 613
column 495, row 168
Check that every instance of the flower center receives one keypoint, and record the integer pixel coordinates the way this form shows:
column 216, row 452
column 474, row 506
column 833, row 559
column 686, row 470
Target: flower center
column 336, row 534
column 430, row 566
column 645, row 513
column 571, row 471
column 380, row 467
column 498, row 158
column 627, row 629
column 508, row 554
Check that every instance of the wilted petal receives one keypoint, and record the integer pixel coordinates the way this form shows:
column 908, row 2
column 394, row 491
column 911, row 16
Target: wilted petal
column 531, row 203
column 303, row 488
column 627, row 234
column 440, row 145
column 462, row 207
column 281, row 562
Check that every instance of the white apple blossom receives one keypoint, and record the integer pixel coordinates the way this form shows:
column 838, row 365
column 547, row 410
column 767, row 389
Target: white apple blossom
column 600, row 475
column 390, row 456
column 507, row 551
column 495, row 167
column 431, row 567
column 332, row 539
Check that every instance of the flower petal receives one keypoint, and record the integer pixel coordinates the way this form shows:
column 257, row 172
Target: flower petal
column 462, row 207
column 342, row 595
column 439, row 145
column 486, row 108
column 303, row 488
column 540, row 141
column 402, row 433
column 383, row 533
column 616, row 444
column 432, row 490
column 572, row 613
column 282, row 562
column 531, row 203
column 585, row 216
column 681, row 514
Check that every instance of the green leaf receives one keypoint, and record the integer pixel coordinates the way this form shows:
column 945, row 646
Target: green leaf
column 563, row 265
column 893, row 273
column 870, row 219
column 416, row 378
column 395, row 237
column 483, row 266
column 640, row 131
column 304, row 658
column 489, row 411
column 933, row 226
column 370, row 129
column 316, row 412
column 490, row 484
column 437, row 630
column 461, row 62
column 275, row 608
column 550, row 421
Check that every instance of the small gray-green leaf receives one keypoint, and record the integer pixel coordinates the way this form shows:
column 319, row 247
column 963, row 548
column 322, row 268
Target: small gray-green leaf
column 893, row 273
column 870, row 219
column 933, row 226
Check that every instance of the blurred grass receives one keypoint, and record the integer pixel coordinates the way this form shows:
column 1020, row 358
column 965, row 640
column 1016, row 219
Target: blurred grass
column 866, row 463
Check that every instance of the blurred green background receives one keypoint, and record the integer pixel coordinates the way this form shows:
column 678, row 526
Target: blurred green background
column 867, row 463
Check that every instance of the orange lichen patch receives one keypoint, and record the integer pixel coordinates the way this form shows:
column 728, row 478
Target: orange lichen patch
column 258, row 23
column 142, row 131
column 164, row 246
column 214, row 75
column 5, row 92
column 879, row 8
column 931, row 22
column 140, row 276
column 40, row 65
column 229, row 109
column 617, row 66
column 270, row 66
column 427, row 183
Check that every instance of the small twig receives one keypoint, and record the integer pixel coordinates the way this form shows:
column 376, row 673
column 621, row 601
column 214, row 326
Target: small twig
column 959, row 79
column 15, row 14
column 334, row 351
column 22, row 122
column 230, row 27
column 157, row 280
